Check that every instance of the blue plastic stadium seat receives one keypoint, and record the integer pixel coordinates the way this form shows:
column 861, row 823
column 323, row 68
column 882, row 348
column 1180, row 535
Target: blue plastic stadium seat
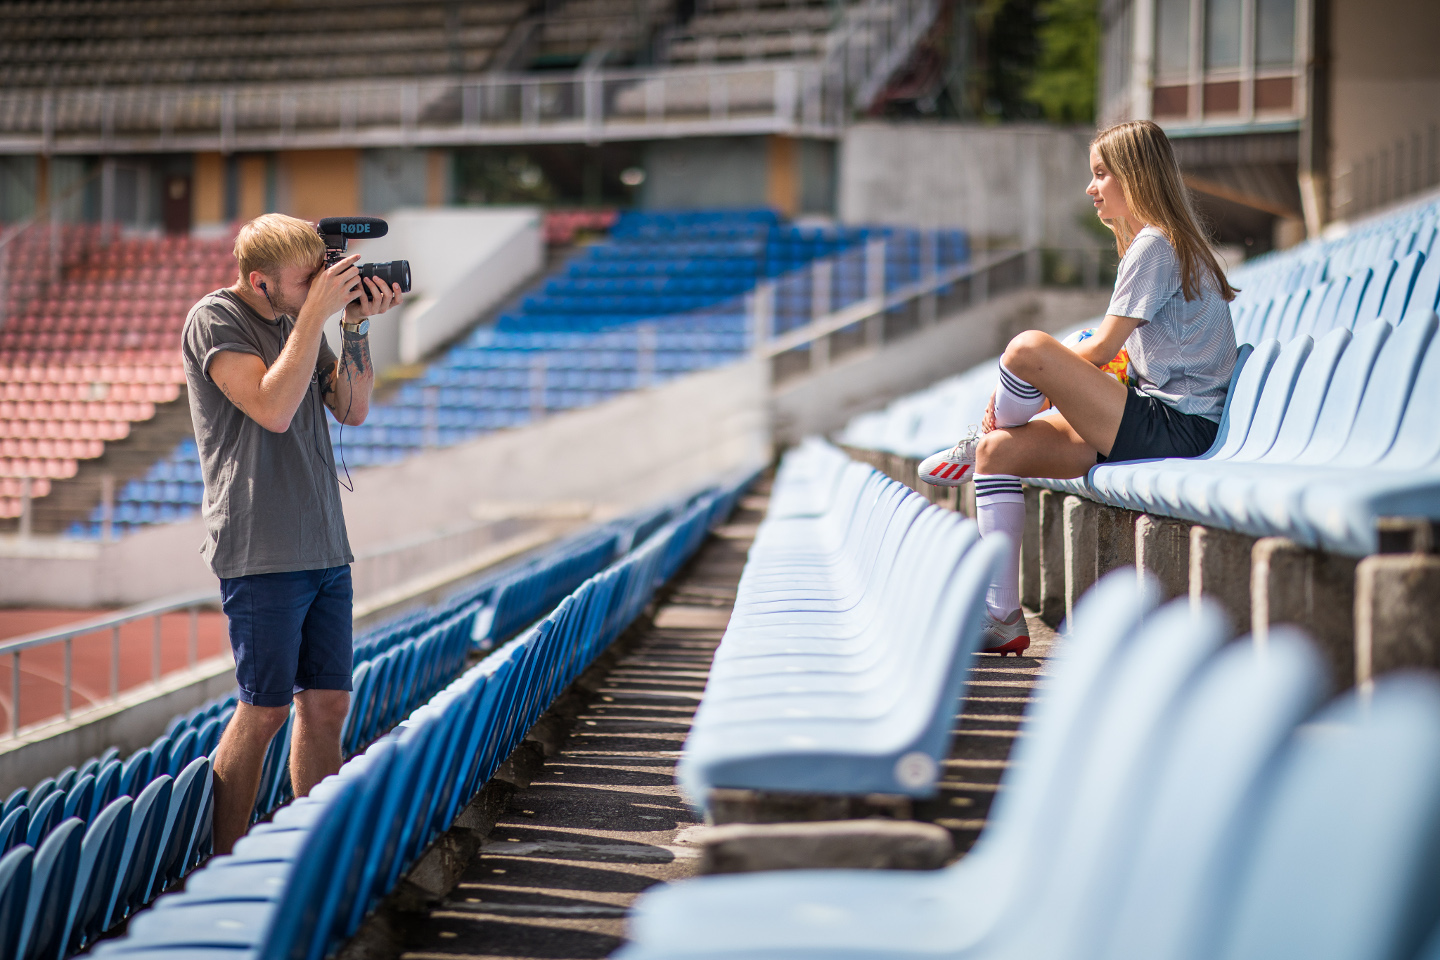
column 843, row 661
column 48, row 910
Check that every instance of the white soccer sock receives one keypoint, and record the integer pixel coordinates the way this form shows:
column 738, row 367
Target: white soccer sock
column 1015, row 400
column 1000, row 508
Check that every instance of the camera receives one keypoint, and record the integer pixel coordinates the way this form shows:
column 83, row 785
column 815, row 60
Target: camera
column 337, row 232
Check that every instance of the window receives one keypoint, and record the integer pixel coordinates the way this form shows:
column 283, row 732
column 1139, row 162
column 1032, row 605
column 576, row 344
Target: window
column 1222, row 34
column 1274, row 33
column 1172, row 38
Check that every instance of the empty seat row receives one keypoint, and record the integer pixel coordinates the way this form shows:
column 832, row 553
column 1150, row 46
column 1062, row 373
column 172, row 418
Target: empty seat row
column 398, row 665
column 302, row 884
column 841, row 668
column 1174, row 797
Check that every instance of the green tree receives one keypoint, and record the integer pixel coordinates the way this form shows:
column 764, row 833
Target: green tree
column 1064, row 79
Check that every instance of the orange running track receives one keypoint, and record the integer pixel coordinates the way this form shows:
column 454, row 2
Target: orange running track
column 42, row 669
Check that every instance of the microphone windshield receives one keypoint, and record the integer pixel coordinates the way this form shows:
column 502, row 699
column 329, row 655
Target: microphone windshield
column 354, row 228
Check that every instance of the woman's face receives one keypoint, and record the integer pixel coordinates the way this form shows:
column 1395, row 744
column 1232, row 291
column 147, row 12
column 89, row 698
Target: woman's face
column 1105, row 191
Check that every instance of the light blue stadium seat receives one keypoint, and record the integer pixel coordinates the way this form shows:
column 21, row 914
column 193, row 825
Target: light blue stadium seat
column 1372, row 763
column 1164, row 903
column 815, row 690
column 1402, row 283
column 1092, row 737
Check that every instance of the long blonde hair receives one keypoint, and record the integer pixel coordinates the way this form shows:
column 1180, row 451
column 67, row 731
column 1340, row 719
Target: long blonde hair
column 1139, row 154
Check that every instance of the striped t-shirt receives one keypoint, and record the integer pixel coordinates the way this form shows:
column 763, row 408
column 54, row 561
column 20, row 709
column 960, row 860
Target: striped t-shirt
column 1183, row 351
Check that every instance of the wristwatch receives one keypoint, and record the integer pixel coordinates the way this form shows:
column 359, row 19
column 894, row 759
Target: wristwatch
column 356, row 329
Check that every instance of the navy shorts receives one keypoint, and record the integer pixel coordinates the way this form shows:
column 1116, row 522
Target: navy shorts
column 1151, row 429
column 290, row 632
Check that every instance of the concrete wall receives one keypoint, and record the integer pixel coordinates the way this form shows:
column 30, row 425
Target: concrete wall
column 868, row 379
column 463, row 262
column 633, row 450
column 790, row 175
column 1385, row 101
column 1014, row 184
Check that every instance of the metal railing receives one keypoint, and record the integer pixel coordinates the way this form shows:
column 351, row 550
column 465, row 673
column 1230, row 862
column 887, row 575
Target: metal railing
column 811, row 97
column 192, row 603
column 920, row 302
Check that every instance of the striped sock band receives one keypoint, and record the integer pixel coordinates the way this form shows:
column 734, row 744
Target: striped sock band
column 997, row 488
column 1015, row 400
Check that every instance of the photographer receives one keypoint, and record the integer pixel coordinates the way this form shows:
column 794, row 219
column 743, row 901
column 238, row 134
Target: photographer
column 260, row 373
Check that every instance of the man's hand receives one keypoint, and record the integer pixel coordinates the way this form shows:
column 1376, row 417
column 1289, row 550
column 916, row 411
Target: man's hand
column 375, row 300
column 987, row 422
column 332, row 288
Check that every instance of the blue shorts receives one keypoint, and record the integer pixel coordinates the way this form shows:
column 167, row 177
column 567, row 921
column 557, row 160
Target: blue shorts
column 290, row 632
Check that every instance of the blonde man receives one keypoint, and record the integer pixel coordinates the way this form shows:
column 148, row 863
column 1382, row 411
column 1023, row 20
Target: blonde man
column 260, row 374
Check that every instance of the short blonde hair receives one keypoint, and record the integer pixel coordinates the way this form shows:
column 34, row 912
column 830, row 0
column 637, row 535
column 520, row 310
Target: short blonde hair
column 271, row 242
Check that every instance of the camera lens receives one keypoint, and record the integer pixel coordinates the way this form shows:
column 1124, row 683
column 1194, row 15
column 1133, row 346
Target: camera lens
column 395, row 271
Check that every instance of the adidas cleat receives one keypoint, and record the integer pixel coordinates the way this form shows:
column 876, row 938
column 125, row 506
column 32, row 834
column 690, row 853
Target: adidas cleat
column 955, row 466
column 1005, row 636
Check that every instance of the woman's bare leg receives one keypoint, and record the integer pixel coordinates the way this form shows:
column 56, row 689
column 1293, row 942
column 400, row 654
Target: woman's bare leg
column 1091, row 400
column 1045, row 447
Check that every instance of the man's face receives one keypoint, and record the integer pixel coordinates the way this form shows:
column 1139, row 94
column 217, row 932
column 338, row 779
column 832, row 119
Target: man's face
column 289, row 290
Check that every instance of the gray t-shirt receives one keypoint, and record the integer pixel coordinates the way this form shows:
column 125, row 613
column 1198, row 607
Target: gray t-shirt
column 272, row 502
column 1183, row 352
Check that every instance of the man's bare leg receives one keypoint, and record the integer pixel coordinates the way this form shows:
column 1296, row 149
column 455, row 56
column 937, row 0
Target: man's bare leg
column 238, row 764
column 315, row 744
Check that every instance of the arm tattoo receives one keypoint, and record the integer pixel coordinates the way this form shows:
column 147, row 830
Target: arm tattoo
column 357, row 353
column 231, row 397
column 326, row 376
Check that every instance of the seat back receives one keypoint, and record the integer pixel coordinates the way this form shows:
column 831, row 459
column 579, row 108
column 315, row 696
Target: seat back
column 1397, row 294
column 1119, row 769
column 1348, row 310
column 1290, row 316
column 1344, row 860
column 1347, row 388
column 1235, row 420
column 80, row 798
column 1048, row 760
column 107, row 786
column 1237, row 719
column 142, row 842
column 100, row 856
column 1311, row 387
column 1274, row 398
column 18, row 798
column 47, row 912
column 1417, row 441
column 301, row 926
column 45, row 818
column 1383, row 404
column 1329, row 307
column 1426, row 291
column 15, row 872
column 1369, row 308
column 135, row 773
column 180, row 816
column 183, row 752
column 14, row 828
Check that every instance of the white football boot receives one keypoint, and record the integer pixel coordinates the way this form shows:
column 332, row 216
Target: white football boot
column 954, row 467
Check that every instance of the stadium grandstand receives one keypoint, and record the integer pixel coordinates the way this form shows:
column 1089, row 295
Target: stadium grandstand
column 660, row 645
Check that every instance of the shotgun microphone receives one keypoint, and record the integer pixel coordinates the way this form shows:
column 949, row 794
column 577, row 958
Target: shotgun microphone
column 353, row 228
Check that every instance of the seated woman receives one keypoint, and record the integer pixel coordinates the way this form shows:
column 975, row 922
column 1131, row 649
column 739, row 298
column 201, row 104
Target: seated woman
column 1170, row 311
